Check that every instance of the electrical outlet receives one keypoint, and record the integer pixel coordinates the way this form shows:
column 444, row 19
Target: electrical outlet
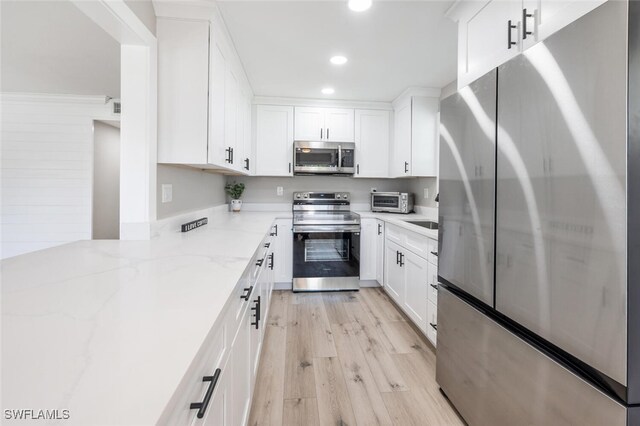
column 167, row 192
column 280, row 191
column 426, row 193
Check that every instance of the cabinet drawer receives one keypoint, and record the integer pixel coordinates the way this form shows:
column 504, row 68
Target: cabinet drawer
column 432, row 326
column 433, row 291
column 413, row 241
column 394, row 233
column 212, row 355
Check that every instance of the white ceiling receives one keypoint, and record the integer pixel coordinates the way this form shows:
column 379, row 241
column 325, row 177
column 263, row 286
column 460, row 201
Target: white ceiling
column 52, row 47
column 285, row 47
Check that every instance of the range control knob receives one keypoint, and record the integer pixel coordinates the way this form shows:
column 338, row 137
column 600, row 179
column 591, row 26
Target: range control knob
column 345, row 196
column 306, row 195
column 338, row 196
column 297, row 195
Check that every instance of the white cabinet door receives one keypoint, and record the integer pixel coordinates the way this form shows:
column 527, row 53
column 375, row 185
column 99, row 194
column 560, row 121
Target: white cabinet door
column 338, row 124
column 240, row 364
column 372, row 140
column 283, row 251
column 274, row 140
column 416, row 284
column 309, row 124
column 230, row 117
column 217, row 104
column 424, row 136
column 432, row 322
column 183, row 81
column 401, row 152
column 545, row 17
column 219, row 408
column 394, row 274
column 483, row 38
column 368, row 249
column 380, row 252
column 256, row 335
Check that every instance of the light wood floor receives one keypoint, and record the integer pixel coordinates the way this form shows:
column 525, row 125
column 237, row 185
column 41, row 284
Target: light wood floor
column 345, row 359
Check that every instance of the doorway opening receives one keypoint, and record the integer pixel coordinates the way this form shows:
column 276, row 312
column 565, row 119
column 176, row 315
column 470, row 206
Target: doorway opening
column 105, row 221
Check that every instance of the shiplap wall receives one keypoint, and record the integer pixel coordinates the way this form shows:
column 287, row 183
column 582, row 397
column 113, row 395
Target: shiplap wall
column 46, row 169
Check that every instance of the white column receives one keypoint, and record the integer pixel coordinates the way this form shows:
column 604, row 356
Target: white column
column 138, row 141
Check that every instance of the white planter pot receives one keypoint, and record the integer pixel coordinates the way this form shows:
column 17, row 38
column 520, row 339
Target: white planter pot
column 236, row 205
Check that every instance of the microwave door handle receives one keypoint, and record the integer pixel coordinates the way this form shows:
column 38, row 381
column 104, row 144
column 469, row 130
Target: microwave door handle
column 339, row 156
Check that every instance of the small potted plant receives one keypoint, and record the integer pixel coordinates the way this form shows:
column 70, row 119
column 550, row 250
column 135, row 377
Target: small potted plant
column 235, row 190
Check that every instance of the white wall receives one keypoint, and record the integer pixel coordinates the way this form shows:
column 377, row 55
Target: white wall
column 418, row 185
column 106, row 182
column 193, row 189
column 46, row 170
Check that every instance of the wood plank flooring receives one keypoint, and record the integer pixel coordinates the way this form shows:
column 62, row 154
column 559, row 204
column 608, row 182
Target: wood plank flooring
column 345, row 359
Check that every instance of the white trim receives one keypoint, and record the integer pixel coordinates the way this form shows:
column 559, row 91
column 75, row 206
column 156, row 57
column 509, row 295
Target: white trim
column 410, row 92
column 369, row 284
column 53, row 98
column 300, row 102
column 118, row 20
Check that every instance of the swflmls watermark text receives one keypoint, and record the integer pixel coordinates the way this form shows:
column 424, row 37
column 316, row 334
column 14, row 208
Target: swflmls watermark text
column 31, row 414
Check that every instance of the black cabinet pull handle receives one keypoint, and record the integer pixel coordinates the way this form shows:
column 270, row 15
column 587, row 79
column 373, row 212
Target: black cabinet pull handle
column 246, row 164
column 525, row 15
column 271, row 262
column 247, row 292
column 275, row 231
column 267, row 245
column 320, row 132
column 202, row 406
column 327, row 133
column 259, row 262
column 256, row 315
column 509, row 28
column 435, row 253
column 434, row 286
column 397, row 257
column 358, row 169
column 289, row 167
column 228, row 159
column 379, row 229
column 406, row 167
column 434, row 326
column 401, row 260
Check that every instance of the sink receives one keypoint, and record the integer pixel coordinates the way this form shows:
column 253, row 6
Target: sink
column 424, row 223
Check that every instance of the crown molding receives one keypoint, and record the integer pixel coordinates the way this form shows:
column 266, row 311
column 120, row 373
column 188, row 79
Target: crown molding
column 306, row 102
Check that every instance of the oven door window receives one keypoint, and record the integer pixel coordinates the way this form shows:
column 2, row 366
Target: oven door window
column 316, row 157
column 388, row 201
column 326, row 254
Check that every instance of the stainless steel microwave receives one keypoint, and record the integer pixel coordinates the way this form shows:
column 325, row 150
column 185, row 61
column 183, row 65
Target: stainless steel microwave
column 392, row 202
column 312, row 158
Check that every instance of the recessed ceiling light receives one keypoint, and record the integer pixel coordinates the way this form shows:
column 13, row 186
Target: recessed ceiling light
column 328, row 91
column 338, row 60
column 359, row 5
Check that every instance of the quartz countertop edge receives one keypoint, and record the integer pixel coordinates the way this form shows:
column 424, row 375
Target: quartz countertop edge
column 108, row 329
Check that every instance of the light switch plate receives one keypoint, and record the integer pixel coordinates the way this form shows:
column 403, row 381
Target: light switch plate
column 167, row 192
column 280, row 191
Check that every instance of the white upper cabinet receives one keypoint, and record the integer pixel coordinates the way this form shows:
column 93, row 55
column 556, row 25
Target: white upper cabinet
column 414, row 150
column 203, row 97
column 324, row 124
column 274, row 140
column 372, row 143
column 183, row 52
column 338, row 123
column 492, row 32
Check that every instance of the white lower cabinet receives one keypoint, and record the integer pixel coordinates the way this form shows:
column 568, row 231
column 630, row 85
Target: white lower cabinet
column 231, row 351
column 283, row 251
column 410, row 277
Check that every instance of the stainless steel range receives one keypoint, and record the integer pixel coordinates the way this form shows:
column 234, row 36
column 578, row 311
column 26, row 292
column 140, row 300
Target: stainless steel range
column 326, row 242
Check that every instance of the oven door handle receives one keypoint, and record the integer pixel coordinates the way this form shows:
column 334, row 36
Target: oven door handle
column 317, row 229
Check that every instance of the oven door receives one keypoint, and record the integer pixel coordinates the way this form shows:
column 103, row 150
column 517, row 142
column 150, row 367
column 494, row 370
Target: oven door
column 385, row 203
column 326, row 251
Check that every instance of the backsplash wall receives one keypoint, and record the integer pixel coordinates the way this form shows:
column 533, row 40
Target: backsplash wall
column 263, row 189
column 193, row 189
column 418, row 185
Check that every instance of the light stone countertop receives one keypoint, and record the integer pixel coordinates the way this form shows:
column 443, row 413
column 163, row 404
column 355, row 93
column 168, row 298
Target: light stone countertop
column 107, row 329
column 401, row 220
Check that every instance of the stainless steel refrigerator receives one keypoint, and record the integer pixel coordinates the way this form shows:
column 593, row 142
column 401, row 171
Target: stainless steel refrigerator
column 539, row 257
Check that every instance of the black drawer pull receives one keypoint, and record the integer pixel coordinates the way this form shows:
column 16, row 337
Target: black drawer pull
column 271, row 261
column 202, row 406
column 397, row 257
column 259, row 262
column 434, row 326
column 247, row 293
column 401, row 260
column 434, row 286
column 275, row 231
column 435, row 253
column 256, row 315
column 267, row 245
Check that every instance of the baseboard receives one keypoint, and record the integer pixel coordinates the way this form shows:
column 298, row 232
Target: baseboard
column 369, row 283
column 289, row 285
